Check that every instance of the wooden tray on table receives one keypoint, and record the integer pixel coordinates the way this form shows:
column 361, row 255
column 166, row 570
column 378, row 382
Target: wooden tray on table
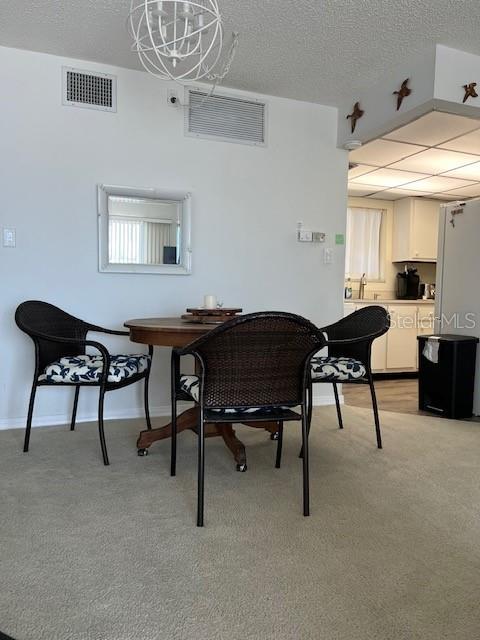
column 210, row 316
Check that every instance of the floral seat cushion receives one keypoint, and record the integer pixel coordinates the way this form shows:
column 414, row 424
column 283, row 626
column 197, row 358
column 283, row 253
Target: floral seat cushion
column 336, row 369
column 88, row 368
column 191, row 386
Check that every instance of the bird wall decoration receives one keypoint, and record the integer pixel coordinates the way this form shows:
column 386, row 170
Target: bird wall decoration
column 356, row 114
column 402, row 93
column 470, row 91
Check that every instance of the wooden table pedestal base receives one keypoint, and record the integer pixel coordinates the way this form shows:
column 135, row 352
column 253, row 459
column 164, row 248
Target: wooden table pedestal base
column 189, row 420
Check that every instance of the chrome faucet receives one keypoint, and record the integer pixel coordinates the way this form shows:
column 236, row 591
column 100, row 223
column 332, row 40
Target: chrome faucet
column 361, row 288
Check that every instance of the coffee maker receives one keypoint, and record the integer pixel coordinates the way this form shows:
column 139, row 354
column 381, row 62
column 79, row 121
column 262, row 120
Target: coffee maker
column 407, row 284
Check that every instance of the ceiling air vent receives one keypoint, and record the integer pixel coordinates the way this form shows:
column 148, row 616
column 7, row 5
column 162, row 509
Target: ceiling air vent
column 89, row 90
column 220, row 117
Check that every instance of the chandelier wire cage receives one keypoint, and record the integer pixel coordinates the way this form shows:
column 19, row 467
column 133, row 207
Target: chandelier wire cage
column 180, row 40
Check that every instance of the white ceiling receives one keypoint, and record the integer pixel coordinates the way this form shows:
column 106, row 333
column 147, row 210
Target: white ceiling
column 315, row 50
column 436, row 156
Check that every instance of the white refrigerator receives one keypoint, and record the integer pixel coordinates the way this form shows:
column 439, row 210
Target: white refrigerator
column 457, row 306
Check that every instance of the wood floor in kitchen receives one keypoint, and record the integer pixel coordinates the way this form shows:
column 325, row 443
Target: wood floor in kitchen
column 399, row 395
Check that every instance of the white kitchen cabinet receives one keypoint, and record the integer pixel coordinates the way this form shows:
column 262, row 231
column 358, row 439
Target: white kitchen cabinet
column 379, row 346
column 402, row 338
column 425, row 322
column 415, row 230
column 379, row 349
column 397, row 350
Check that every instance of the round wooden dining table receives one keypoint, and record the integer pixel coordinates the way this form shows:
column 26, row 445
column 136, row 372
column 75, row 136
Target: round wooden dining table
column 175, row 332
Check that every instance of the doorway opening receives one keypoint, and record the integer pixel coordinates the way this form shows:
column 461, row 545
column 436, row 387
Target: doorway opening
column 396, row 185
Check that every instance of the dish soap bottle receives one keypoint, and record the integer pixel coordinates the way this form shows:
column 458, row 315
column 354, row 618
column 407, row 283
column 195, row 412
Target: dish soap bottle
column 348, row 289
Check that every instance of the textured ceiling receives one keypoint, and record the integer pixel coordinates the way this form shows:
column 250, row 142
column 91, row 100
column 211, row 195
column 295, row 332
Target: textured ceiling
column 315, row 50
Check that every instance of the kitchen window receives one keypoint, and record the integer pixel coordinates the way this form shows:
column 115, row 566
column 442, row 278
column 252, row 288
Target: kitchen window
column 363, row 245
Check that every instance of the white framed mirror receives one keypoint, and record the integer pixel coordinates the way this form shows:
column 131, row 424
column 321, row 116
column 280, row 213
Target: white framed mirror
column 144, row 230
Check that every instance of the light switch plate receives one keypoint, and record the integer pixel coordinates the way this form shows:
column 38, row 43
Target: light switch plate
column 9, row 238
column 304, row 236
column 327, row 256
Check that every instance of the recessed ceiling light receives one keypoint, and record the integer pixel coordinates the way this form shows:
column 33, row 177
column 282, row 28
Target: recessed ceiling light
column 434, row 161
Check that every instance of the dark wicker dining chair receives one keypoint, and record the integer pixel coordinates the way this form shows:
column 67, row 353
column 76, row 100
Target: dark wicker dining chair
column 60, row 359
column 349, row 343
column 252, row 368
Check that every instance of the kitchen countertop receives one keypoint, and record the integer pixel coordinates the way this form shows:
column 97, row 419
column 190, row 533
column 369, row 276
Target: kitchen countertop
column 382, row 301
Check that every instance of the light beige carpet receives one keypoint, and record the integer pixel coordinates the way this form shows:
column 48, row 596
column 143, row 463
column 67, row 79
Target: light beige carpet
column 390, row 552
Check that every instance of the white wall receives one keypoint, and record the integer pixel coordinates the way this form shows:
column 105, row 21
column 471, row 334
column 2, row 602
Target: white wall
column 246, row 202
column 436, row 79
column 380, row 104
column 453, row 70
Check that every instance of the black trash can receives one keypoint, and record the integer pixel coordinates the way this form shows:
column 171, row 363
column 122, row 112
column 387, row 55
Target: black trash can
column 446, row 387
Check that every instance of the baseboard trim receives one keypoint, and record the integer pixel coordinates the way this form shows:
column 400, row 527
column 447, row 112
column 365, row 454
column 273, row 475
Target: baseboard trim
column 161, row 411
column 62, row 419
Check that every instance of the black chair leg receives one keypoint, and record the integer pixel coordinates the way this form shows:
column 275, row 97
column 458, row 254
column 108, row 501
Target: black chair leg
column 306, row 488
column 147, row 406
column 337, row 403
column 28, row 428
column 309, row 413
column 375, row 412
column 101, row 431
column 74, row 411
column 173, row 444
column 309, row 406
column 201, row 472
column 279, row 445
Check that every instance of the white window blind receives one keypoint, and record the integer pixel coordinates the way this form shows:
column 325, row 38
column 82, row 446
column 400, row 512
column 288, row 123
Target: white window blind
column 124, row 241
column 362, row 247
column 137, row 241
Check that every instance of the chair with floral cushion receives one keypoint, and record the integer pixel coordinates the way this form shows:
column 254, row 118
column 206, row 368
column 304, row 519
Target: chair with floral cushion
column 60, row 342
column 253, row 368
column 349, row 343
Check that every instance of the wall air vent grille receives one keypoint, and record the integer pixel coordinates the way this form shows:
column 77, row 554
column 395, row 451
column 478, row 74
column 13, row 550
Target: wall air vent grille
column 220, row 117
column 89, row 90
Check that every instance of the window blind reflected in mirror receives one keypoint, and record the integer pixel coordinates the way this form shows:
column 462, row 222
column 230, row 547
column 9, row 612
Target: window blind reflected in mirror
column 142, row 231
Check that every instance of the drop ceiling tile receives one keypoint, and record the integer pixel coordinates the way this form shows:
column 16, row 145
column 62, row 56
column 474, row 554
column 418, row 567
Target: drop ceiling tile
column 407, row 193
column 436, row 184
column 359, row 171
column 381, row 152
column 433, row 128
column 470, row 172
column 469, row 143
column 387, row 178
column 434, row 161
column 361, row 189
column 465, row 192
column 388, row 194
column 443, row 197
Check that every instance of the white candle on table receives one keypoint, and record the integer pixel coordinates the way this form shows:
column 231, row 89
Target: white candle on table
column 210, row 302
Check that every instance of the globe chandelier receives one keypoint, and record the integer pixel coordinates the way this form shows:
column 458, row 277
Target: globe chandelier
column 180, row 40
